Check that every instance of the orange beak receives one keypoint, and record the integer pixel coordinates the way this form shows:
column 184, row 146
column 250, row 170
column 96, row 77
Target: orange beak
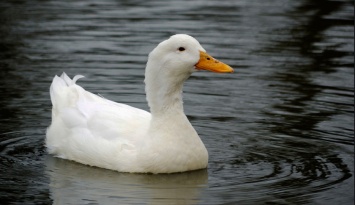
column 207, row 62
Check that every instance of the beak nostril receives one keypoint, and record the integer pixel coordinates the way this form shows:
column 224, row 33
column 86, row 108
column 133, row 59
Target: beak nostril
column 208, row 59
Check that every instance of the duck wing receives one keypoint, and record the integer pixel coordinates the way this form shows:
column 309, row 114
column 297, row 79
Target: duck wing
column 87, row 124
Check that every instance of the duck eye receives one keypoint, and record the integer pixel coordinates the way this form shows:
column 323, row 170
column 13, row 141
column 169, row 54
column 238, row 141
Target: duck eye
column 181, row 49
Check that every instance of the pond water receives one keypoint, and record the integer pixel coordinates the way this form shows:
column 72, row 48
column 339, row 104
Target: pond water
column 280, row 130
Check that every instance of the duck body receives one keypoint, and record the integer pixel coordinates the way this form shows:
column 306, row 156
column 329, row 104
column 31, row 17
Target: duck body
column 92, row 130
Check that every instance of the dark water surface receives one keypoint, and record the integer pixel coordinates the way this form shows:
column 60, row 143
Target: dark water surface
column 279, row 130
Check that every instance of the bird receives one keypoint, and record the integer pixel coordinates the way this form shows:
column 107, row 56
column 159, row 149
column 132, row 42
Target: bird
column 92, row 130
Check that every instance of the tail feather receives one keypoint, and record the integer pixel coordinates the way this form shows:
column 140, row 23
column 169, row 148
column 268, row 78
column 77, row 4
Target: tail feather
column 69, row 81
column 61, row 91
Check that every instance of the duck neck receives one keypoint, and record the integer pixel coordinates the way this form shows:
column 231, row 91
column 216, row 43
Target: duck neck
column 165, row 100
column 169, row 121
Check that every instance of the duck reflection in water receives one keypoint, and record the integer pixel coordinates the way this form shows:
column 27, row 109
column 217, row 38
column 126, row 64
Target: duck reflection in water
column 74, row 183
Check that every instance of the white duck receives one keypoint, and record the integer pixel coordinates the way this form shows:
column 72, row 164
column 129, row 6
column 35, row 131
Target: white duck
column 98, row 132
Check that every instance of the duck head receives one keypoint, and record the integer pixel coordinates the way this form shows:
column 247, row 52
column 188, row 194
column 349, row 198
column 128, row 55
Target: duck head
column 171, row 63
